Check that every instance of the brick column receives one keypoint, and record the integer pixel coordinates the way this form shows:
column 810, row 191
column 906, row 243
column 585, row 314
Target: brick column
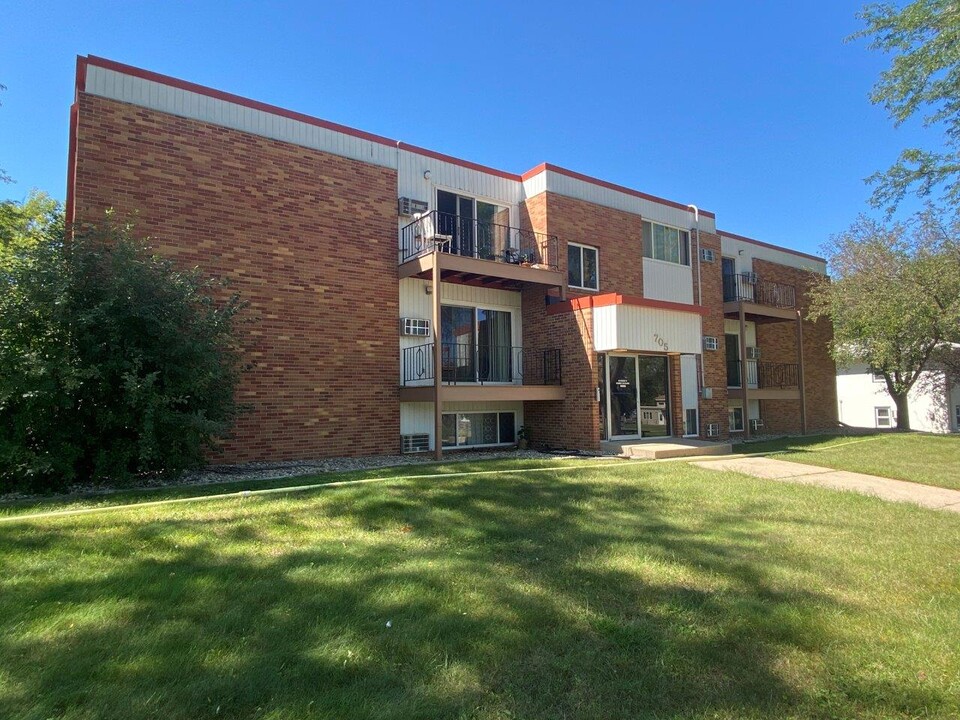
column 676, row 395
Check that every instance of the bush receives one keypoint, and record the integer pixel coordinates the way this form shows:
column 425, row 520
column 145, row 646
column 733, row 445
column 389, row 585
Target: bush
column 112, row 362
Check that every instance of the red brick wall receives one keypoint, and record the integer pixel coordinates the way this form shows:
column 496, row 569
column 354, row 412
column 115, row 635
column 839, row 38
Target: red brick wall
column 714, row 361
column 307, row 237
column 573, row 423
column 778, row 344
column 618, row 235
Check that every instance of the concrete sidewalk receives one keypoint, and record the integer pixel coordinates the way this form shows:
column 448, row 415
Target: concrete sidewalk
column 885, row 488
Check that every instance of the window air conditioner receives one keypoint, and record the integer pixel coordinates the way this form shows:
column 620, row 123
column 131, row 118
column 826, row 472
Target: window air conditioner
column 416, row 327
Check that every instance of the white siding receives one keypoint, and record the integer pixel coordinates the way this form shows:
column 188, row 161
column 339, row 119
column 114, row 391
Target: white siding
column 417, row 418
column 667, row 281
column 745, row 253
column 415, row 303
column 931, row 407
column 651, row 210
column 644, row 329
column 732, row 327
column 184, row 103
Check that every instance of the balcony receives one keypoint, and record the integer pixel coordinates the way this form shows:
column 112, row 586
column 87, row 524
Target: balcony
column 474, row 252
column 469, row 372
column 765, row 380
column 758, row 296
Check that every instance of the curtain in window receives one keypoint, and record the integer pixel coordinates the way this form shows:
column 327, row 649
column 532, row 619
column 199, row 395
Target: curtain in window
column 494, row 345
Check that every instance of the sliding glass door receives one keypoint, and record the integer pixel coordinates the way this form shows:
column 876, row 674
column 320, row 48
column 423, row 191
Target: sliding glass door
column 476, row 228
column 476, row 344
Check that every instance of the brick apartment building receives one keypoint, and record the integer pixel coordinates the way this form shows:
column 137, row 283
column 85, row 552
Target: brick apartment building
column 580, row 309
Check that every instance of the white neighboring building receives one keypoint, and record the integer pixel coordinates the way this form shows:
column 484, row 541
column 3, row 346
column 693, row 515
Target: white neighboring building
column 863, row 401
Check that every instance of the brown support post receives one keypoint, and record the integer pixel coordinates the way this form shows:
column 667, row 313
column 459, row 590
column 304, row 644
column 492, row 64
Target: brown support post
column 437, row 360
column 743, row 373
column 803, row 394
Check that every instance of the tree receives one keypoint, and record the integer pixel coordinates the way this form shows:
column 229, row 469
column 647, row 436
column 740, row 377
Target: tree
column 112, row 361
column 924, row 76
column 893, row 298
column 37, row 219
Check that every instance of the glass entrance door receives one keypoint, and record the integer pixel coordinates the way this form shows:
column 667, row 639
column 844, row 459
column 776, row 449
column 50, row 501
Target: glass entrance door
column 639, row 396
column 653, row 397
column 623, row 397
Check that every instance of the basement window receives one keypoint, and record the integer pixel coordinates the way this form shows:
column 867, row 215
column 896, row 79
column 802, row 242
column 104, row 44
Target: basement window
column 479, row 429
column 883, row 416
column 735, row 417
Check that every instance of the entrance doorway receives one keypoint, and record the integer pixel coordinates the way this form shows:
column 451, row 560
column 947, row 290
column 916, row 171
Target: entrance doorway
column 638, row 397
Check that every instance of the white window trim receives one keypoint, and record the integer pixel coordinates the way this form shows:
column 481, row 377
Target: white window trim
column 588, row 247
column 889, row 418
column 516, row 429
column 740, row 408
column 672, row 227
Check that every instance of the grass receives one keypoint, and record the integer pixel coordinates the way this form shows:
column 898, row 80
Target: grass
column 604, row 591
column 915, row 457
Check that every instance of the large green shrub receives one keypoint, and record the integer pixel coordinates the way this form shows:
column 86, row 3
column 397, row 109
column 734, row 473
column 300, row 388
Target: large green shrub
column 112, row 362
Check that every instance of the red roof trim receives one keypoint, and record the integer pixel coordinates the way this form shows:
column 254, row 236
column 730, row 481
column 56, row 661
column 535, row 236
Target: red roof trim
column 457, row 161
column 239, row 100
column 274, row 110
column 609, row 185
column 769, row 245
column 607, row 299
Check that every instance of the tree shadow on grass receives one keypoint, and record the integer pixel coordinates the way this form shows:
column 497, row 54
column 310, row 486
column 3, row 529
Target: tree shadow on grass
column 538, row 594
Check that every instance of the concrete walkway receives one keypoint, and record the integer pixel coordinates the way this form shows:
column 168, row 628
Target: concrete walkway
column 885, row 488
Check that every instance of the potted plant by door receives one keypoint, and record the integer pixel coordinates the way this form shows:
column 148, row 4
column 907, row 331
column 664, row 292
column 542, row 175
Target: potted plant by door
column 523, row 437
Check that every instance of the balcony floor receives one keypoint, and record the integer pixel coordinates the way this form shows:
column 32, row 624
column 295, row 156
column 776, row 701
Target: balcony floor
column 484, row 273
column 481, row 393
column 757, row 311
column 765, row 393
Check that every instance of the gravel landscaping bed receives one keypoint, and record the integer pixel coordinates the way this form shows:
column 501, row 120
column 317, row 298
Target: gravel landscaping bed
column 215, row 474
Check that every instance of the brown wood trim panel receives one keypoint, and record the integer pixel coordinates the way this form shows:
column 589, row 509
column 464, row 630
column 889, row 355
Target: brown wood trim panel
column 484, row 393
column 749, row 308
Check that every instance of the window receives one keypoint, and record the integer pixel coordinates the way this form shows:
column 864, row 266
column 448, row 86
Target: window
column 877, row 376
column 476, row 344
column 691, row 423
column 666, row 243
column 473, row 429
column 884, row 417
column 735, row 415
column 582, row 266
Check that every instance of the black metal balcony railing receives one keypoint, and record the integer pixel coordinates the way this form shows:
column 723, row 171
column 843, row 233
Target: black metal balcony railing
column 763, row 374
column 466, row 363
column 477, row 239
column 748, row 287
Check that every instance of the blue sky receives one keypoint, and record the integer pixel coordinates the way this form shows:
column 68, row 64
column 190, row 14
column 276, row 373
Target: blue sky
column 756, row 111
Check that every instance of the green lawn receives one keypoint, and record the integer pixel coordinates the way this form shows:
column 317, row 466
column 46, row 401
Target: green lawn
column 928, row 459
column 622, row 590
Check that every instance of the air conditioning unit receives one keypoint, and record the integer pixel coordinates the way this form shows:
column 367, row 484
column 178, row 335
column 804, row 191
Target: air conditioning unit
column 750, row 277
column 707, row 255
column 706, row 393
column 408, row 206
column 416, row 327
column 713, row 430
column 710, row 343
column 756, row 425
column 415, row 443
column 753, row 353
